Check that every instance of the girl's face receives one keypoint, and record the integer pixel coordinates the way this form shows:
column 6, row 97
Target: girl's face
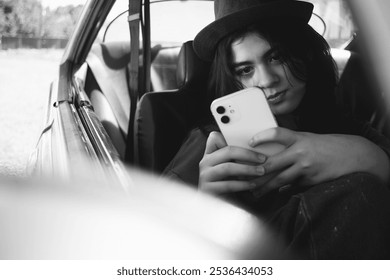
column 255, row 63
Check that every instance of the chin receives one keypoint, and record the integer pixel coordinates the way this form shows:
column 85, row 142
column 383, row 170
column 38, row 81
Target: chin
column 282, row 109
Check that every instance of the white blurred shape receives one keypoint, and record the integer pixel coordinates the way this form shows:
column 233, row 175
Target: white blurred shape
column 157, row 220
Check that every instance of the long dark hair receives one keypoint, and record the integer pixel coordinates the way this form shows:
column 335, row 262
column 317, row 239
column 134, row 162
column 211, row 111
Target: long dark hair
column 307, row 55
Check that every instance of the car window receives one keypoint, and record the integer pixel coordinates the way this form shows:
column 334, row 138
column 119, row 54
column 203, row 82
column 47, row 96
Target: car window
column 337, row 18
column 172, row 22
column 175, row 22
column 115, row 27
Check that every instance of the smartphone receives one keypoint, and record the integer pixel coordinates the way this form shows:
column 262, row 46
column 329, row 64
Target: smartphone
column 243, row 114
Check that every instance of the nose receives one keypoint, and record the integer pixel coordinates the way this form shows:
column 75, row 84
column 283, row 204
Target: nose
column 266, row 77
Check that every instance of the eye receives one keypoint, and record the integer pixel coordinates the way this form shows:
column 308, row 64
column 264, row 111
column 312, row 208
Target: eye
column 275, row 57
column 243, row 71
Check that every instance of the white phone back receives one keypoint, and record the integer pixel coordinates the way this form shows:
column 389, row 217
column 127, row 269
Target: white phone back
column 249, row 113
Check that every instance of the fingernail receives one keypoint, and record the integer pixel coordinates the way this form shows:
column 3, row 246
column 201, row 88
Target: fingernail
column 262, row 158
column 251, row 142
column 285, row 188
column 260, row 170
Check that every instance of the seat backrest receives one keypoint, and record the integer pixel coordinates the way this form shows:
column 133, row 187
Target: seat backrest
column 163, row 68
column 107, row 84
column 107, row 88
column 357, row 93
column 164, row 118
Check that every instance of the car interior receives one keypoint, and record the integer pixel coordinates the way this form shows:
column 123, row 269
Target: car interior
column 177, row 98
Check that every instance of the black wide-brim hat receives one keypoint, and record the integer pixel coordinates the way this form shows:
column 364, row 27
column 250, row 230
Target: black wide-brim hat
column 233, row 15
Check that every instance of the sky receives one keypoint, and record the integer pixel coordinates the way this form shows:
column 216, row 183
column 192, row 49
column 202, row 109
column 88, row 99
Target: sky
column 55, row 3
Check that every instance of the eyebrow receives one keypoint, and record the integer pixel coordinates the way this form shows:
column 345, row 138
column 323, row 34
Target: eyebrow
column 246, row 62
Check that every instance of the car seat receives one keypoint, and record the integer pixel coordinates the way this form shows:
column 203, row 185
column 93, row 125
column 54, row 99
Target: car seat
column 107, row 84
column 359, row 95
column 164, row 118
column 107, row 88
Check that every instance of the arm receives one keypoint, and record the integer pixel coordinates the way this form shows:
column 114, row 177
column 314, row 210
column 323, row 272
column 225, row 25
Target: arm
column 314, row 158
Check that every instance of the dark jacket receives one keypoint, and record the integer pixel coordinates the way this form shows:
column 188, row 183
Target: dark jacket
column 185, row 165
column 346, row 218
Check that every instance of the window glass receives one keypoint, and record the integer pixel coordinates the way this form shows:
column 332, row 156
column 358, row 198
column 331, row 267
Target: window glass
column 116, row 27
column 172, row 22
column 337, row 18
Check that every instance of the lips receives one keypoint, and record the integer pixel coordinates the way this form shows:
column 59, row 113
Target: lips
column 277, row 97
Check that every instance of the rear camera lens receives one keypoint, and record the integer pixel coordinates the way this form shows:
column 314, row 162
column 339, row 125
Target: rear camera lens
column 220, row 110
column 225, row 119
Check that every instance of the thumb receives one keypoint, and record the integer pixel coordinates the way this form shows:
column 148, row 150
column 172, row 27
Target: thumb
column 279, row 135
column 215, row 142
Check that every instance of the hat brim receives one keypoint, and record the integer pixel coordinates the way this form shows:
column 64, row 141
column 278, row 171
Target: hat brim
column 207, row 39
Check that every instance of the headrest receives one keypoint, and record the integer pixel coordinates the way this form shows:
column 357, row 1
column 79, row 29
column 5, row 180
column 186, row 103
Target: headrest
column 191, row 70
column 114, row 55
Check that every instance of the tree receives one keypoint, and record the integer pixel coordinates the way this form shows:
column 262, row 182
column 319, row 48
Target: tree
column 28, row 18
column 59, row 23
column 6, row 17
column 20, row 17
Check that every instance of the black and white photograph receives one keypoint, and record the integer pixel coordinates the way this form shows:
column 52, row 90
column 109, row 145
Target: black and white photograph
column 195, row 138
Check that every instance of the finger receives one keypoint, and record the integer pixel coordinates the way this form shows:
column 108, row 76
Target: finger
column 215, row 141
column 233, row 154
column 226, row 186
column 229, row 169
column 279, row 135
column 286, row 177
column 279, row 162
column 261, row 180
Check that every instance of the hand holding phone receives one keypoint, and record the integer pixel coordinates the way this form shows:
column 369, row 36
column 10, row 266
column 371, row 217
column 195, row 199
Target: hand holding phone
column 243, row 114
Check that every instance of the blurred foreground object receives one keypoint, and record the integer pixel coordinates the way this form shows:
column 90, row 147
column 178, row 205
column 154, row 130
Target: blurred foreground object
column 47, row 219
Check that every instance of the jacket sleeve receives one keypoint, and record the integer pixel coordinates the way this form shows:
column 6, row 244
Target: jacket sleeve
column 185, row 165
column 374, row 136
column 363, row 128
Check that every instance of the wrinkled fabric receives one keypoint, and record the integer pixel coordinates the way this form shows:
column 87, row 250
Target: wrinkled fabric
column 347, row 218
